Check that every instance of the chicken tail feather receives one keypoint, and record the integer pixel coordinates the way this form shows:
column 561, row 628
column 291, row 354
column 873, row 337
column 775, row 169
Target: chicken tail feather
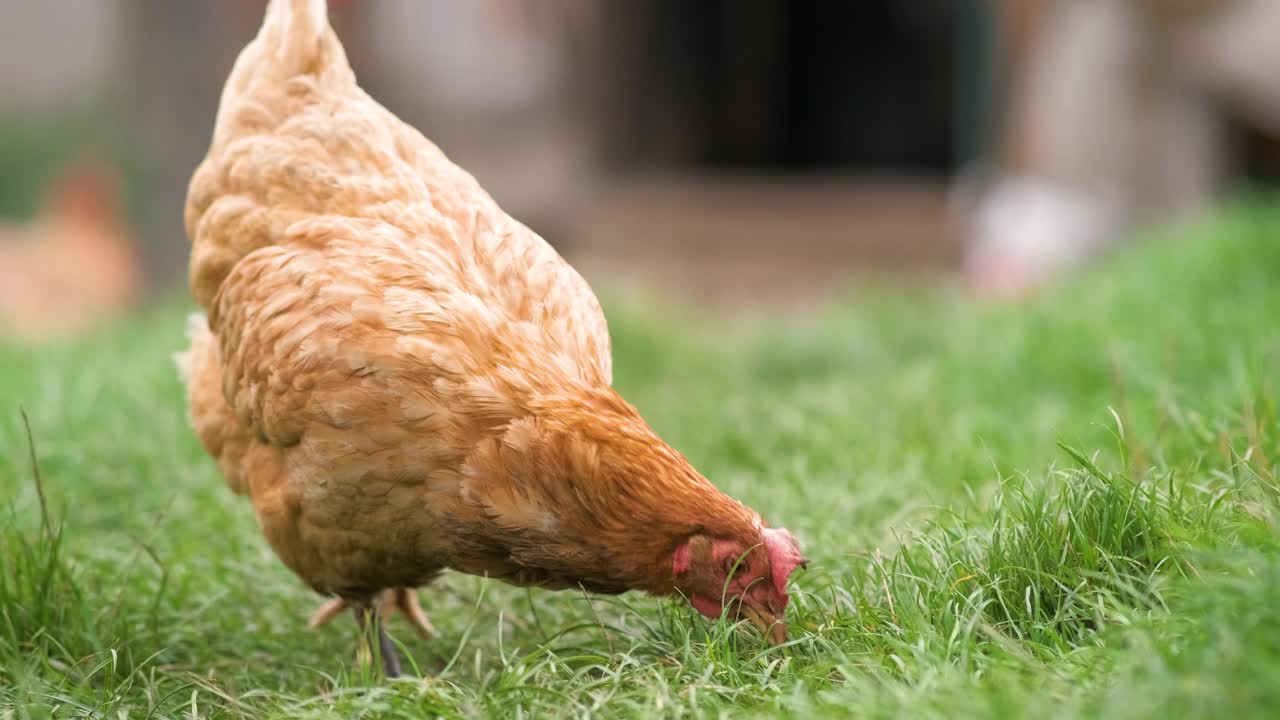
column 298, row 28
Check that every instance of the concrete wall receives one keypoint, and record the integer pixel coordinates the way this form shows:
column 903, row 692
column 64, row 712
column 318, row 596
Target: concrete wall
column 55, row 52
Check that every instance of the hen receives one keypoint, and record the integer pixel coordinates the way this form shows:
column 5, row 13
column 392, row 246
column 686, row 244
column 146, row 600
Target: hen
column 75, row 264
column 403, row 379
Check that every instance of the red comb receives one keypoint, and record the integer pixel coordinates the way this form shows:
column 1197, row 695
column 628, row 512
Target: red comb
column 784, row 555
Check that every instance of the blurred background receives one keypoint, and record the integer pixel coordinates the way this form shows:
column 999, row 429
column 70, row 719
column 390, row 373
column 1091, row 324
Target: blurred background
column 733, row 153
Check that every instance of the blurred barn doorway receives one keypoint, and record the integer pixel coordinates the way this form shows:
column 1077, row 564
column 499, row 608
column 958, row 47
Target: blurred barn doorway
column 771, row 85
column 761, row 148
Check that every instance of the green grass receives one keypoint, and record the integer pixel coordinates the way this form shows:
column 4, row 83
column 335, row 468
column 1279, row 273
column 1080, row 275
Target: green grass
column 1066, row 509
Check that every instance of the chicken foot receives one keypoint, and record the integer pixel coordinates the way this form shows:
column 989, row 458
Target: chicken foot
column 389, row 601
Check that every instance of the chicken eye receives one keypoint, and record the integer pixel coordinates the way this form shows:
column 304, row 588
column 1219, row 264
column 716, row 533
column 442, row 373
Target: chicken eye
column 729, row 564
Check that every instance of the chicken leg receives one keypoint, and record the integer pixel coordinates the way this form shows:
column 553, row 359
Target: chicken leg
column 388, row 602
column 381, row 607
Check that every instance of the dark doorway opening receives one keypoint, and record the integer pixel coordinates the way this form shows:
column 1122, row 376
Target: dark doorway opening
column 778, row 86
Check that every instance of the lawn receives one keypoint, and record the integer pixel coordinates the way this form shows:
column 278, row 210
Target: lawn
column 1063, row 509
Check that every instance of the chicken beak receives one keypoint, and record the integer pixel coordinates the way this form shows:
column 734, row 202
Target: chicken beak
column 773, row 628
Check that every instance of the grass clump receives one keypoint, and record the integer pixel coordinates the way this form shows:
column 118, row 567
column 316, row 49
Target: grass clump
column 1060, row 562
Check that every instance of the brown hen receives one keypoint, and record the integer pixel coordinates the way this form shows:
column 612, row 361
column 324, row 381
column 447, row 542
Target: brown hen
column 403, row 379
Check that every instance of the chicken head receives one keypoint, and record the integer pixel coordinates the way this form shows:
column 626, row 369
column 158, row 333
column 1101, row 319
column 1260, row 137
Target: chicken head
column 740, row 577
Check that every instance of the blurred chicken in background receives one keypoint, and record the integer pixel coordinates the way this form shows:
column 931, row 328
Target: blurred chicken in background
column 1117, row 114
column 75, row 264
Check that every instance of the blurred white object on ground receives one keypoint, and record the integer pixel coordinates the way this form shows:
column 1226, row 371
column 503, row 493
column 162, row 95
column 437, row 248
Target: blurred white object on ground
column 1117, row 118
